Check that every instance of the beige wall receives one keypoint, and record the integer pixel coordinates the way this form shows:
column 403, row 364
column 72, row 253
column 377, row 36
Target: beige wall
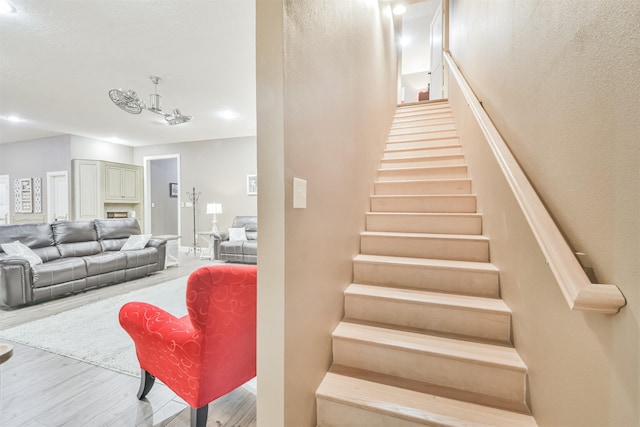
column 326, row 94
column 560, row 81
column 218, row 169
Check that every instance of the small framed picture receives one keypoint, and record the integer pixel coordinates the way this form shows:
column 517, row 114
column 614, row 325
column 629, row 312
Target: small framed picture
column 173, row 189
column 252, row 185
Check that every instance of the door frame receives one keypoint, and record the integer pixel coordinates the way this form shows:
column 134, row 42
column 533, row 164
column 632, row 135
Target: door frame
column 50, row 198
column 146, row 160
column 8, row 181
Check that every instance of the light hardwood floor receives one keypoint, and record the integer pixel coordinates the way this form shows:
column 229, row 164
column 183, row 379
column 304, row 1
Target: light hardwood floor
column 42, row 389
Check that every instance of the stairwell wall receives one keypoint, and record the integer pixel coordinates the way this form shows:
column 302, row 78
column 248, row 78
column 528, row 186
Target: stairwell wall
column 559, row 81
column 326, row 75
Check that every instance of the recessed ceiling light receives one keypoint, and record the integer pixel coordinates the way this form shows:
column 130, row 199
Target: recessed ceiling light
column 399, row 10
column 404, row 41
column 228, row 114
column 6, row 7
column 14, row 119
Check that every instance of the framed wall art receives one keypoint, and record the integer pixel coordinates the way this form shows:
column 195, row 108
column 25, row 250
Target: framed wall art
column 173, row 189
column 252, row 185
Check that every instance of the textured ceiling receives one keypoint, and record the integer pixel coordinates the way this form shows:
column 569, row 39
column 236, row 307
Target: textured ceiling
column 59, row 59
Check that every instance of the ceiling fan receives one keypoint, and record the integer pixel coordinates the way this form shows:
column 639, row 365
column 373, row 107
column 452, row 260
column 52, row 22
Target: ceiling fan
column 131, row 103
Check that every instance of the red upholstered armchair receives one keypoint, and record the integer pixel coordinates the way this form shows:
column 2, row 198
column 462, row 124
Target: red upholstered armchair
column 208, row 352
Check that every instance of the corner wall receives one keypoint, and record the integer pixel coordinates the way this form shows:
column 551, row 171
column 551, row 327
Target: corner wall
column 326, row 95
column 218, row 170
column 559, row 80
column 33, row 159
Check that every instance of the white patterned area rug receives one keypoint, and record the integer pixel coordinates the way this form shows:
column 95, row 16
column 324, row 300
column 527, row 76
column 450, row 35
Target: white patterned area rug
column 93, row 334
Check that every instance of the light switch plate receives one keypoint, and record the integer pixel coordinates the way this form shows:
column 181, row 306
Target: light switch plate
column 299, row 193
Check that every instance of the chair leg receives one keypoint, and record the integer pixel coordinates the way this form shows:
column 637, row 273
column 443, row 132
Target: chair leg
column 199, row 416
column 146, row 382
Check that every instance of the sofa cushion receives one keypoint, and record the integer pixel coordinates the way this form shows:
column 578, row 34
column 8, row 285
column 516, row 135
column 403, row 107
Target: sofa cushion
column 47, row 254
column 229, row 247
column 38, row 237
column 250, row 224
column 250, row 248
column 76, row 238
column 58, row 271
column 105, row 262
column 141, row 257
column 73, row 232
column 21, row 250
column 117, row 228
column 32, row 235
column 112, row 244
column 79, row 249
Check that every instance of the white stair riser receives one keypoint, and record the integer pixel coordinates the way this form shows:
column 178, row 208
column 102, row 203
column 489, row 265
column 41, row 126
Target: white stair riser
column 422, row 129
column 334, row 414
column 440, row 318
column 423, row 122
column 457, row 281
column 418, row 118
column 462, row 186
column 419, row 223
column 461, row 374
column 423, row 173
column 433, row 248
column 422, row 135
column 422, row 143
column 440, row 204
column 418, row 162
column 421, row 114
column 445, row 150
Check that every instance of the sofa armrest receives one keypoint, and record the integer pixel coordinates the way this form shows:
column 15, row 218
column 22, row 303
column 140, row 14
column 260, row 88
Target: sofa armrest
column 15, row 281
column 161, row 245
column 223, row 235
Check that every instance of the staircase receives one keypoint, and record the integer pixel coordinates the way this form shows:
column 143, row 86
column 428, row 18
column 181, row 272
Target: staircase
column 426, row 339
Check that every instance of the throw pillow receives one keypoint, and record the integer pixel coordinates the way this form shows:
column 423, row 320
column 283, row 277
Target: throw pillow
column 135, row 242
column 237, row 235
column 20, row 249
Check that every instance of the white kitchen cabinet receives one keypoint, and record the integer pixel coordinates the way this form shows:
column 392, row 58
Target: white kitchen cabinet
column 122, row 183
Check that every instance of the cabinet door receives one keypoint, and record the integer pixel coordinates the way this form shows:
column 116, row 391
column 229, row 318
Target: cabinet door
column 86, row 190
column 112, row 183
column 130, row 184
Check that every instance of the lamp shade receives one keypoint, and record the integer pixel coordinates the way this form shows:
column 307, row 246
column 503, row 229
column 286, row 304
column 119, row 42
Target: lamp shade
column 214, row 208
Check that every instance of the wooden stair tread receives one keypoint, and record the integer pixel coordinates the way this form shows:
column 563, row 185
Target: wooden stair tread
column 489, row 305
column 423, row 157
column 421, row 168
column 419, row 407
column 426, row 214
column 475, row 352
column 426, row 235
column 426, row 148
column 426, row 138
column 410, row 181
column 423, row 196
column 425, row 262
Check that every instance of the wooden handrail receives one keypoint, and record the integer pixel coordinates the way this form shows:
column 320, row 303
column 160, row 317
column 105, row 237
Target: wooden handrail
column 576, row 287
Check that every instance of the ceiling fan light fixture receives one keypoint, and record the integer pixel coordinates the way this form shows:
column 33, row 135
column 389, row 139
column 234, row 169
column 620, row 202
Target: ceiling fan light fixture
column 131, row 103
column 177, row 118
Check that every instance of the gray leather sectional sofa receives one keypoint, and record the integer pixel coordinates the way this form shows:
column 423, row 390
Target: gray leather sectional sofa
column 76, row 255
column 242, row 251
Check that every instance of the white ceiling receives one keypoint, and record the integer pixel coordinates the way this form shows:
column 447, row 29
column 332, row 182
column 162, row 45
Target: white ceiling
column 59, row 59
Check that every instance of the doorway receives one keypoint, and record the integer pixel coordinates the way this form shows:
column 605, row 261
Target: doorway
column 5, row 200
column 162, row 195
column 57, row 196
